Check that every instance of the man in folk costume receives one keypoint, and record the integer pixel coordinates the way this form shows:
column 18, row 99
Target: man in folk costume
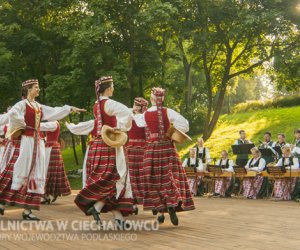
column 242, row 159
column 135, row 151
column 108, row 186
column 222, row 184
column 88, row 128
column 22, row 182
column 202, row 152
column 268, row 143
column 57, row 183
column 283, row 187
column 166, row 188
column 252, row 185
column 193, row 162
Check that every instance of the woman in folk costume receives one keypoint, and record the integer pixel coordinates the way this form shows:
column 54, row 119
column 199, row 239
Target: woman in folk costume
column 22, row 182
column 87, row 128
column 57, row 183
column 252, row 185
column 108, row 187
column 196, row 163
column 166, row 187
column 135, row 151
column 222, row 184
column 283, row 187
column 202, row 152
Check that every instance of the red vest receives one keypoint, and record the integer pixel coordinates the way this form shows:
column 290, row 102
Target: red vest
column 29, row 118
column 136, row 133
column 106, row 119
column 52, row 137
column 151, row 119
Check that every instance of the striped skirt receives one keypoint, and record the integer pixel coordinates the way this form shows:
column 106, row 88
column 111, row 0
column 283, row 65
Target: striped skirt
column 252, row 186
column 101, row 183
column 135, row 153
column 14, row 197
column 222, row 185
column 284, row 187
column 57, row 183
column 165, row 181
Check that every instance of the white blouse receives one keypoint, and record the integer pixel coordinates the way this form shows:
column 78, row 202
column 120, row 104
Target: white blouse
column 261, row 164
column 295, row 165
column 177, row 119
column 193, row 162
column 82, row 128
column 223, row 162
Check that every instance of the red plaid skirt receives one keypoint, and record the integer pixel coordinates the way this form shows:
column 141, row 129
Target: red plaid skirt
column 14, row 197
column 135, row 152
column 101, row 183
column 165, row 179
column 57, row 183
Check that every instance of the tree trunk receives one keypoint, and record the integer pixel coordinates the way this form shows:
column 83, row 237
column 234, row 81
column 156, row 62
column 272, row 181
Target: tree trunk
column 73, row 145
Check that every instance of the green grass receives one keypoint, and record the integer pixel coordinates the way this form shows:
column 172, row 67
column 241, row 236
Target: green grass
column 280, row 120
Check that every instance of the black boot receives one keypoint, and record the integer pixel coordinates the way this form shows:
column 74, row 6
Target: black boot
column 54, row 198
column 136, row 210
column 95, row 213
column 46, row 201
column 161, row 219
column 29, row 216
column 154, row 212
column 2, row 211
column 173, row 216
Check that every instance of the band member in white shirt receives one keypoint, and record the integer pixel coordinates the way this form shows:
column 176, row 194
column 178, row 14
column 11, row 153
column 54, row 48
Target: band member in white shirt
column 252, row 185
column 195, row 163
column 242, row 159
column 222, row 184
column 283, row 187
column 202, row 152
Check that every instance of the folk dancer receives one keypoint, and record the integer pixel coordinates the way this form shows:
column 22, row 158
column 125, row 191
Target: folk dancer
column 135, row 148
column 166, row 188
column 108, row 186
column 57, row 183
column 22, row 182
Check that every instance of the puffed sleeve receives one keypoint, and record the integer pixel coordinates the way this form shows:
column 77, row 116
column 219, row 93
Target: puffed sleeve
column 295, row 163
column 178, row 120
column 248, row 164
column 2, row 129
column 48, row 126
column 230, row 168
column 279, row 163
column 82, row 128
column 122, row 113
column 207, row 155
column 140, row 120
column 16, row 115
column 262, row 164
column 4, row 119
column 57, row 113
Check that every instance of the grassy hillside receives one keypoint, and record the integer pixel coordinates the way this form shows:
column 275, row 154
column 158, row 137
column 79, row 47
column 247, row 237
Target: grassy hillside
column 281, row 120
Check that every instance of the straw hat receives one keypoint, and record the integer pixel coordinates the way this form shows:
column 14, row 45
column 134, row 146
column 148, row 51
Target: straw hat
column 113, row 138
column 15, row 133
column 176, row 135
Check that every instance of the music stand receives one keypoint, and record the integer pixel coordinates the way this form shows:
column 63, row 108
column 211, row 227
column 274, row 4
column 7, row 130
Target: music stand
column 242, row 149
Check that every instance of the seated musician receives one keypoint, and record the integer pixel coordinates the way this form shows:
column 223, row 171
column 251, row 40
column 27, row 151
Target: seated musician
column 268, row 143
column 242, row 159
column 296, row 146
column 222, row 184
column 197, row 165
column 283, row 187
column 202, row 152
column 252, row 185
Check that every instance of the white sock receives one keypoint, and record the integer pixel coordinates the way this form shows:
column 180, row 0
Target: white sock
column 99, row 205
column 117, row 214
column 27, row 211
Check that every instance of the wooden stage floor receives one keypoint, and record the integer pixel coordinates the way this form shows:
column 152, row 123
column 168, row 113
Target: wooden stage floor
column 215, row 224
